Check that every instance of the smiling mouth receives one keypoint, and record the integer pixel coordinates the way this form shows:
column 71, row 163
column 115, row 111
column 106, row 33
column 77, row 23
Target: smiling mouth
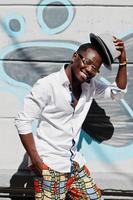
column 84, row 74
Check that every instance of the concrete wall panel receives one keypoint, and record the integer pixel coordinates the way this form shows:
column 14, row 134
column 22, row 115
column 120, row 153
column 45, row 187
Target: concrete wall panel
column 34, row 35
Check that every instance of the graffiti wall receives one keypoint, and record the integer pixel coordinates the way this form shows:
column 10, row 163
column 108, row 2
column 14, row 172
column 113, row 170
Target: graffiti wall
column 36, row 39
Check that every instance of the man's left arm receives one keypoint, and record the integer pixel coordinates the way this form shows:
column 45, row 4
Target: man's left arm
column 121, row 78
column 118, row 89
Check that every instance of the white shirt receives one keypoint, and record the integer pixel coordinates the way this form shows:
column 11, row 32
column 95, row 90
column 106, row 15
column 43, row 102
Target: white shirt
column 59, row 123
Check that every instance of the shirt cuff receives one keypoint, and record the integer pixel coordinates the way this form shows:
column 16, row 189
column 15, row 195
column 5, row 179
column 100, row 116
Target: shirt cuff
column 115, row 92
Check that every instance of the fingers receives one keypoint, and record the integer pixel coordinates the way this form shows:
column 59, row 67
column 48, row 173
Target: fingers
column 38, row 167
column 119, row 44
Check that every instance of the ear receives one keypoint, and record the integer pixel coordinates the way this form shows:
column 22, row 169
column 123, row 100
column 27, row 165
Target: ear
column 75, row 54
column 73, row 58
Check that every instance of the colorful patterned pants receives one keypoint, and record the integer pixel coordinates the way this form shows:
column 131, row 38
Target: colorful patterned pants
column 78, row 185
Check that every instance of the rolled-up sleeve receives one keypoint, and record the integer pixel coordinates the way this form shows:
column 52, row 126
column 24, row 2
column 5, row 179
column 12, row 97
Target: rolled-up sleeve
column 34, row 103
column 110, row 90
column 115, row 92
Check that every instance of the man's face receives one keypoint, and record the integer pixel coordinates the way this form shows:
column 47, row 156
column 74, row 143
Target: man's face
column 86, row 65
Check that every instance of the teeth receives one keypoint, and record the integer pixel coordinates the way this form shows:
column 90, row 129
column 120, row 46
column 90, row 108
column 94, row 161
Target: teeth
column 84, row 75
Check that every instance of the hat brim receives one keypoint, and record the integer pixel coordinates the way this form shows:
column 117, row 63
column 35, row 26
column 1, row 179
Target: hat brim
column 99, row 44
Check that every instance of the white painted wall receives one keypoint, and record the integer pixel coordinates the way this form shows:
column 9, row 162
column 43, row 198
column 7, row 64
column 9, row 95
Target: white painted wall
column 95, row 16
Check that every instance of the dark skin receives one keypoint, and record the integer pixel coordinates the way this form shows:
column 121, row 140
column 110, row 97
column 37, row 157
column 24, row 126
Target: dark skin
column 78, row 73
column 121, row 78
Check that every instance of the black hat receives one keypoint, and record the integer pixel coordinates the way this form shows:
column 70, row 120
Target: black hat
column 105, row 45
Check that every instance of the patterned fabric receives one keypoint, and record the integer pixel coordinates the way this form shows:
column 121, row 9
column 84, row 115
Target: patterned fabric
column 77, row 185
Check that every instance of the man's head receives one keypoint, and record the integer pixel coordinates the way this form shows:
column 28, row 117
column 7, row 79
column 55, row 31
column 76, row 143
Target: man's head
column 86, row 62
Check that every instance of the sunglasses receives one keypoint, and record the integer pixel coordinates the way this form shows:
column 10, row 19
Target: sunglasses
column 88, row 62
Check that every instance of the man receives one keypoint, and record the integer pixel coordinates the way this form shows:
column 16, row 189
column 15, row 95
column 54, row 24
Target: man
column 60, row 103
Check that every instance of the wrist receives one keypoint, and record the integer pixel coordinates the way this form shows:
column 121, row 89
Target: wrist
column 35, row 158
column 123, row 63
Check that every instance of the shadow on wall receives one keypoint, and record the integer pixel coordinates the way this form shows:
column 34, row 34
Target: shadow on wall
column 97, row 124
column 21, row 183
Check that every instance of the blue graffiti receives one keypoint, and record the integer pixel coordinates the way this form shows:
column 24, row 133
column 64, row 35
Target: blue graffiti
column 97, row 151
column 102, row 152
column 62, row 24
column 14, row 25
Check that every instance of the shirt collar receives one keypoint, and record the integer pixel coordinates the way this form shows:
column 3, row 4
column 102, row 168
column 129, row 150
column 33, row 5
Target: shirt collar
column 63, row 77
